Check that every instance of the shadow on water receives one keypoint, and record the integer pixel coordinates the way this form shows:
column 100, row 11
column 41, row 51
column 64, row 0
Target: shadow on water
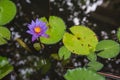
column 99, row 15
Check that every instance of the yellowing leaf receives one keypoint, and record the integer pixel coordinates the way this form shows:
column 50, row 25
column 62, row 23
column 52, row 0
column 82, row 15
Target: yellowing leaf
column 81, row 41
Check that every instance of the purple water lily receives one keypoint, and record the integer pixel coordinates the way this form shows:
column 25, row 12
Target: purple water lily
column 37, row 28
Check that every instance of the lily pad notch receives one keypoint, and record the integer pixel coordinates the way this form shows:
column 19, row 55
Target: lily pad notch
column 56, row 30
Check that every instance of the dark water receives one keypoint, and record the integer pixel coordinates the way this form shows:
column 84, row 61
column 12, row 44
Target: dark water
column 101, row 16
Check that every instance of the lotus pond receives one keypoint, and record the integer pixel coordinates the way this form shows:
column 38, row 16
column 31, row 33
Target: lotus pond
column 59, row 40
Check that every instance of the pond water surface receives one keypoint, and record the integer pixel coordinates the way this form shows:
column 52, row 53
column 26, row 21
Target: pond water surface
column 99, row 15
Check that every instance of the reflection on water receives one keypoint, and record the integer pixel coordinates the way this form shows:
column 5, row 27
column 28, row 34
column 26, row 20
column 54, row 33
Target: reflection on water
column 73, row 12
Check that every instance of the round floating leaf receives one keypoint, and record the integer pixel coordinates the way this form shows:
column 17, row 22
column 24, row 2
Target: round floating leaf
column 55, row 31
column 5, row 67
column 82, row 74
column 4, row 35
column 108, row 48
column 7, row 11
column 81, row 41
column 94, row 65
column 64, row 53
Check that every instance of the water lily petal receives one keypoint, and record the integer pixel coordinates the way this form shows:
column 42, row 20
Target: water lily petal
column 28, row 31
column 33, row 25
column 34, row 38
column 45, row 35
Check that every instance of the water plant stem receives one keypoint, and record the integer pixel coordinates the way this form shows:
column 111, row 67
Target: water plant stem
column 40, row 43
column 109, row 75
column 23, row 44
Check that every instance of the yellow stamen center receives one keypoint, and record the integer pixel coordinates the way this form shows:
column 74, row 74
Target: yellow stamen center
column 37, row 29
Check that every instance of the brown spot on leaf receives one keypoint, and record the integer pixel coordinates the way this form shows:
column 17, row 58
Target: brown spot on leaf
column 81, row 44
column 78, row 38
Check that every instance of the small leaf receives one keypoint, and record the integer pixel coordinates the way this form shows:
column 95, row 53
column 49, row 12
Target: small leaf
column 7, row 11
column 55, row 56
column 55, row 30
column 94, row 65
column 82, row 41
column 92, row 57
column 108, row 48
column 64, row 53
column 82, row 74
column 118, row 34
column 37, row 46
column 4, row 35
column 5, row 67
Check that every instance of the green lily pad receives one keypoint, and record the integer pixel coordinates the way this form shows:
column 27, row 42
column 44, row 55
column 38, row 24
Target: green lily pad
column 5, row 67
column 82, row 74
column 7, row 11
column 64, row 53
column 94, row 65
column 108, row 48
column 4, row 35
column 81, row 40
column 55, row 30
